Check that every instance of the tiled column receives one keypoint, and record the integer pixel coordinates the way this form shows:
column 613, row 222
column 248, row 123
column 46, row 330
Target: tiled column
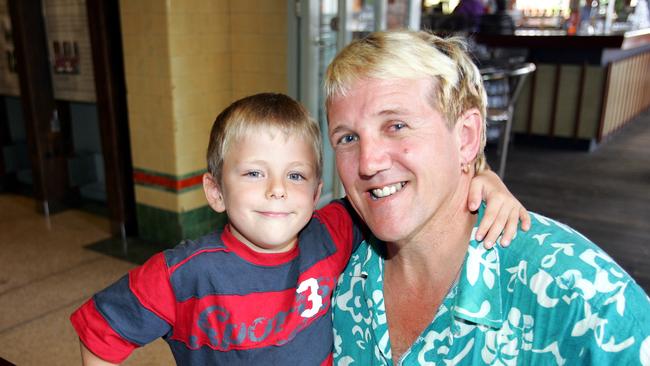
column 259, row 46
column 185, row 61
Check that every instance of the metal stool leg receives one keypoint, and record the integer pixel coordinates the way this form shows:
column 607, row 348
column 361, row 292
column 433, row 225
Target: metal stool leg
column 504, row 143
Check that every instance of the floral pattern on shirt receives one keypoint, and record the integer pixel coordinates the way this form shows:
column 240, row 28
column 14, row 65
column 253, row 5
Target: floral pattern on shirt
column 551, row 298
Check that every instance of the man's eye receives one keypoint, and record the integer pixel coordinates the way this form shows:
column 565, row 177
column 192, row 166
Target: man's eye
column 346, row 139
column 398, row 126
column 296, row 176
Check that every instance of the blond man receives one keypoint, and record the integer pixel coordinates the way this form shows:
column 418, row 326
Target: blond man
column 406, row 114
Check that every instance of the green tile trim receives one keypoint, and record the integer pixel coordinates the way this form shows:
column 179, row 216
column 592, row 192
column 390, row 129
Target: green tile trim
column 167, row 228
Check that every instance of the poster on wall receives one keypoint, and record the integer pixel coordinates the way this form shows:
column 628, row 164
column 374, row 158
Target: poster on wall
column 68, row 38
column 9, row 83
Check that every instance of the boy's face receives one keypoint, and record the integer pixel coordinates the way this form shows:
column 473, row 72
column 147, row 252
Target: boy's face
column 269, row 189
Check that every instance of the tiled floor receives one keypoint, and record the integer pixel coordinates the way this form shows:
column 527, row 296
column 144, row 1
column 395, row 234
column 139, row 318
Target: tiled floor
column 45, row 273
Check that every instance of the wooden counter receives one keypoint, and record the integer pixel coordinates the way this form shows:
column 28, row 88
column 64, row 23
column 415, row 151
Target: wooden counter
column 585, row 87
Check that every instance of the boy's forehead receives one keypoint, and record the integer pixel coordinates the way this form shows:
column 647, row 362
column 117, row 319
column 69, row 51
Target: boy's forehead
column 256, row 133
column 292, row 140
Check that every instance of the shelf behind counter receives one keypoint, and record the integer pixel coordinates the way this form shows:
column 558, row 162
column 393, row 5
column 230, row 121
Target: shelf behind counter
column 585, row 87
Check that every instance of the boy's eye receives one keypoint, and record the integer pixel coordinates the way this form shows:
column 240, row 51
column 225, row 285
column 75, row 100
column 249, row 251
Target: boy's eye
column 346, row 139
column 253, row 174
column 296, row 176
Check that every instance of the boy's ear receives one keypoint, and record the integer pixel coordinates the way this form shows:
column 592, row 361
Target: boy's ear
column 469, row 129
column 213, row 193
column 318, row 192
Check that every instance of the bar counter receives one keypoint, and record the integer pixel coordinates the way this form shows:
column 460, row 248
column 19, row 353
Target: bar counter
column 585, row 87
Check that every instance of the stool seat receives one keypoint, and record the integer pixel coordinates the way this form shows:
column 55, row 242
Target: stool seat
column 496, row 115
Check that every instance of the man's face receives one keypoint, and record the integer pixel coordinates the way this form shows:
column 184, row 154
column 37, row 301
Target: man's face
column 399, row 163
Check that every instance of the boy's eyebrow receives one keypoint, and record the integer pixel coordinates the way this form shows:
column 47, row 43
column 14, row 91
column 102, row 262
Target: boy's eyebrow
column 291, row 164
column 299, row 163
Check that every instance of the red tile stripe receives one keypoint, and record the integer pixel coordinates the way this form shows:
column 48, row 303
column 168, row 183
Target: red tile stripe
column 165, row 182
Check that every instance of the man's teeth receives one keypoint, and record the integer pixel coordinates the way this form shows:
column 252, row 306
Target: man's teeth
column 387, row 190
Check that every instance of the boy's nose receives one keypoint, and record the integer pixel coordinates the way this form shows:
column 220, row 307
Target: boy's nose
column 276, row 190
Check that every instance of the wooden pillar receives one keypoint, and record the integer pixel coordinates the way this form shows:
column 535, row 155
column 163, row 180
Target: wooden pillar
column 106, row 43
column 45, row 135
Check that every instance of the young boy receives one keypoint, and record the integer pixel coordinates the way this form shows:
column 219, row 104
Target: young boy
column 257, row 292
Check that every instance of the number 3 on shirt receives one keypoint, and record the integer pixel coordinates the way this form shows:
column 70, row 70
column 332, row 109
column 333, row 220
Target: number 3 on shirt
column 315, row 299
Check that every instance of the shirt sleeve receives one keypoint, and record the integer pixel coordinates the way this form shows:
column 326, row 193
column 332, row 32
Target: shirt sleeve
column 620, row 337
column 343, row 224
column 130, row 313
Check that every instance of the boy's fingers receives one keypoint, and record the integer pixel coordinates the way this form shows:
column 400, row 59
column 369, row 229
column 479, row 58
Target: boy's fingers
column 510, row 229
column 524, row 216
column 474, row 197
column 489, row 216
column 497, row 227
column 486, row 222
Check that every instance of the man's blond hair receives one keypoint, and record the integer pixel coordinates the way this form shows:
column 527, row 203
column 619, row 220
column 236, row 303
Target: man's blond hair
column 456, row 83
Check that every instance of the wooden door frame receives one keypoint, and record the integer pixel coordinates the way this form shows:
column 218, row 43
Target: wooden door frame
column 110, row 86
column 46, row 139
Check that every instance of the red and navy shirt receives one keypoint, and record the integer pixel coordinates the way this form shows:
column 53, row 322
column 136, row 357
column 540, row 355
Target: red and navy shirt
column 216, row 301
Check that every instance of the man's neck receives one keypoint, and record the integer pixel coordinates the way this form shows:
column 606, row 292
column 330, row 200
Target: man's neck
column 419, row 261
column 419, row 273
column 437, row 249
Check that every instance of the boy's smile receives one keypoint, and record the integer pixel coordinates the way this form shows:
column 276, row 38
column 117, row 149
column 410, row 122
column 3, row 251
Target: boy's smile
column 269, row 189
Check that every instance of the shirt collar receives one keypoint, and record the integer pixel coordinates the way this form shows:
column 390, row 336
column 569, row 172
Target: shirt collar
column 477, row 293
column 478, row 290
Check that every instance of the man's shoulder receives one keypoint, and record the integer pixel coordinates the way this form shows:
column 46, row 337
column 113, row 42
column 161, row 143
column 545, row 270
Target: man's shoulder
column 559, row 263
column 554, row 246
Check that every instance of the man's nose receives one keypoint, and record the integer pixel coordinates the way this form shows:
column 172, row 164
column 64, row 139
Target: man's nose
column 276, row 188
column 373, row 157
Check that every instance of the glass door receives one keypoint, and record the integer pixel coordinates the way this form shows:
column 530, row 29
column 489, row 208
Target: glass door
column 318, row 30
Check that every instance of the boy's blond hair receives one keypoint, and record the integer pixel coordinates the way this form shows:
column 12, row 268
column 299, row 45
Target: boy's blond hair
column 256, row 114
column 456, row 85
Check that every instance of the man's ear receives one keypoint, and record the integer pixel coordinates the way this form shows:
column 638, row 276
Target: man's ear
column 318, row 192
column 469, row 131
column 213, row 193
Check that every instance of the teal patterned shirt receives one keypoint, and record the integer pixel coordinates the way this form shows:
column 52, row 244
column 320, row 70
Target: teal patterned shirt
column 551, row 298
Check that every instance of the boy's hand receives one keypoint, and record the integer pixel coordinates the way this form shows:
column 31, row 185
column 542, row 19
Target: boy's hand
column 90, row 359
column 502, row 212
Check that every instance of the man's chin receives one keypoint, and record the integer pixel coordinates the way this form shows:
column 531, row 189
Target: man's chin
column 388, row 233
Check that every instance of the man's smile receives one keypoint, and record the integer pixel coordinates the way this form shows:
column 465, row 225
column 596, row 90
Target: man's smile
column 386, row 191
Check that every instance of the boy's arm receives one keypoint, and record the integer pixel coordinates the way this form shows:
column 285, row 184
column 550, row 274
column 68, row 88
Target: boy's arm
column 502, row 212
column 89, row 359
column 132, row 312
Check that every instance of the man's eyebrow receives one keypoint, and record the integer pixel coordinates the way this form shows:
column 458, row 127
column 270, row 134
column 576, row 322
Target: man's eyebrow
column 339, row 128
column 393, row 111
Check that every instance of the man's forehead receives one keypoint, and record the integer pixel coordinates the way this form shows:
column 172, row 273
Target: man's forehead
column 381, row 97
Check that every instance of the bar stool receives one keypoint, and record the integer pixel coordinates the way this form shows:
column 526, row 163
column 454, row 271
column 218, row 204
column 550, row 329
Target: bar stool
column 503, row 85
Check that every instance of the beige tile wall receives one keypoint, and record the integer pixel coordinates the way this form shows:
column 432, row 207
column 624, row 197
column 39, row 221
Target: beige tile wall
column 148, row 83
column 185, row 61
column 259, row 39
